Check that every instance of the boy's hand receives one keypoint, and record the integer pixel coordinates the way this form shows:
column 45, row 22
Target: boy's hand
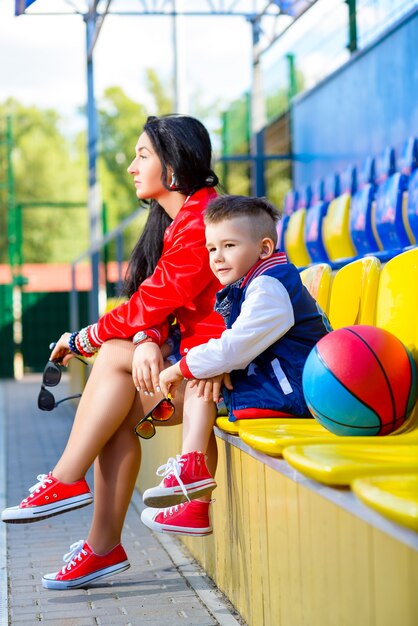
column 147, row 363
column 210, row 388
column 170, row 379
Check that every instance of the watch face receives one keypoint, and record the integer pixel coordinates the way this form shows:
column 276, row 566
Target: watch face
column 140, row 336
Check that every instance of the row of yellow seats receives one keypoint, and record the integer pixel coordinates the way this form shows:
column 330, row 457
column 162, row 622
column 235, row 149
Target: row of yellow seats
column 362, row 292
column 335, row 233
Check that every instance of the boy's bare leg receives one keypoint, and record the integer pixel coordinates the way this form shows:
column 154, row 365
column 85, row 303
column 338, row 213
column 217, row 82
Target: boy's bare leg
column 198, row 421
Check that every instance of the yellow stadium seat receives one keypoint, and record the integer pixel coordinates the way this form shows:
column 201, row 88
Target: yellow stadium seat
column 317, row 280
column 397, row 306
column 341, row 463
column 229, row 427
column 272, row 435
column 397, row 301
column 336, row 229
column 294, row 241
column 354, row 293
column 395, row 497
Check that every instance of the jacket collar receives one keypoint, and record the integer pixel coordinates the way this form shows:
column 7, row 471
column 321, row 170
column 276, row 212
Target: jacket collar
column 199, row 198
column 278, row 258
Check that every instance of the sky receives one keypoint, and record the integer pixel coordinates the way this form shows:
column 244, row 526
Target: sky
column 42, row 58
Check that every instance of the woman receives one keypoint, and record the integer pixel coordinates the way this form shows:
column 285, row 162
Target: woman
column 168, row 277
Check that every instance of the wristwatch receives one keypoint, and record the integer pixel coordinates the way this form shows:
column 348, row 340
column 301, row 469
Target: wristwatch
column 140, row 337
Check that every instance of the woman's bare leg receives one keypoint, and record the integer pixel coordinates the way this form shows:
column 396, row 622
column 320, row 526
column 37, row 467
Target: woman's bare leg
column 105, row 420
column 106, row 401
column 115, row 473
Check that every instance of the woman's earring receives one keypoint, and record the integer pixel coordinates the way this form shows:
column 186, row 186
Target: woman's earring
column 173, row 181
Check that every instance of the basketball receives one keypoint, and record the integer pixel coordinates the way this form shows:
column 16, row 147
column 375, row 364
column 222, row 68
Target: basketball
column 360, row 380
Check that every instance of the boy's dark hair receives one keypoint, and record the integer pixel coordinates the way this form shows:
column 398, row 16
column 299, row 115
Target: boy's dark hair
column 263, row 215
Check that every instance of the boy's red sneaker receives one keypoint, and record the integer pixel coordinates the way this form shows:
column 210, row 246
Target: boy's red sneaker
column 83, row 566
column 47, row 498
column 186, row 477
column 190, row 518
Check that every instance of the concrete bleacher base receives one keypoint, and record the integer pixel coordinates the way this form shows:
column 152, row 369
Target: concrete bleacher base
column 289, row 551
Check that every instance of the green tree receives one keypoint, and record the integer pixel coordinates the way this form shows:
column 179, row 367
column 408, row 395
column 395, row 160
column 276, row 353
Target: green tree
column 52, row 167
column 121, row 121
column 46, row 168
column 160, row 93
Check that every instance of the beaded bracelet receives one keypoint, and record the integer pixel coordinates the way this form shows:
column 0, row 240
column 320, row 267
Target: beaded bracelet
column 81, row 349
column 72, row 343
column 84, row 340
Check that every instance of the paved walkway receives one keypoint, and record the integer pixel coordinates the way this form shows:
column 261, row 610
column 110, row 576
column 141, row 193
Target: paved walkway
column 162, row 587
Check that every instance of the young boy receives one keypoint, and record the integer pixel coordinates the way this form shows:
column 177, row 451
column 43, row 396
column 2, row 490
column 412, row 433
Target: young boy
column 272, row 323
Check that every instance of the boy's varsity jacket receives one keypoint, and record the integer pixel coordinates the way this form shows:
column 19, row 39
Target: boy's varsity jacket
column 272, row 324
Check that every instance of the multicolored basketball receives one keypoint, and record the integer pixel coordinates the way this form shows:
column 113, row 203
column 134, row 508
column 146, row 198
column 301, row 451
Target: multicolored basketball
column 360, row 380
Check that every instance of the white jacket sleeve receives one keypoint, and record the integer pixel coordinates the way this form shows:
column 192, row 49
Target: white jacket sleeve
column 266, row 315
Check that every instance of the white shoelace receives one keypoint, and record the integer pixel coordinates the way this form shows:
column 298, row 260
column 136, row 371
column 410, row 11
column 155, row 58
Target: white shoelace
column 173, row 466
column 42, row 479
column 76, row 552
column 172, row 509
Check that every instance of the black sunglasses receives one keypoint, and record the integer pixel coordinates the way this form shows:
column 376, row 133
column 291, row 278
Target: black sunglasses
column 50, row 378
column 162, row 412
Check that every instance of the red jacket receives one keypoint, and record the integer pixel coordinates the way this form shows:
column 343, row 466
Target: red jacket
column 182, row 285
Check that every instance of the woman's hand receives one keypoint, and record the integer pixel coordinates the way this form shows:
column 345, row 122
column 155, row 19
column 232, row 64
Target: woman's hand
column 61, row 351
column 147, row 364
column 210, row 388
column 170, row 379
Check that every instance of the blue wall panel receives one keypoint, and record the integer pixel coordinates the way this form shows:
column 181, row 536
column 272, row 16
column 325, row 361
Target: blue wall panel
column 370, row 103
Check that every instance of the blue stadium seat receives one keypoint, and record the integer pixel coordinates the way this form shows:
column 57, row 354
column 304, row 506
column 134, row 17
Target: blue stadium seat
column 315, row 215
column 290, row 204
column 395, row 213
column 409, row 166
column 293, row 239
column 387, row 219
column 304, row 197
column 361, row 210
column 348, row 180
column 412, row 208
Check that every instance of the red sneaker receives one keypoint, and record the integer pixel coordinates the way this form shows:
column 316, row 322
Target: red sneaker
column 47, row 498
column 191, row 518
column 83, row 566
column 186, row 477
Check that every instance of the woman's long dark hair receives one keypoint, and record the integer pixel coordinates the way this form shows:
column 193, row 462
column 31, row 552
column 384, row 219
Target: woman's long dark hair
column 182, row 144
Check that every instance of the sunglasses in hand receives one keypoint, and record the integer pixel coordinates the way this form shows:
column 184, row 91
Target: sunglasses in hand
column 50, row 378
column 162, row 412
